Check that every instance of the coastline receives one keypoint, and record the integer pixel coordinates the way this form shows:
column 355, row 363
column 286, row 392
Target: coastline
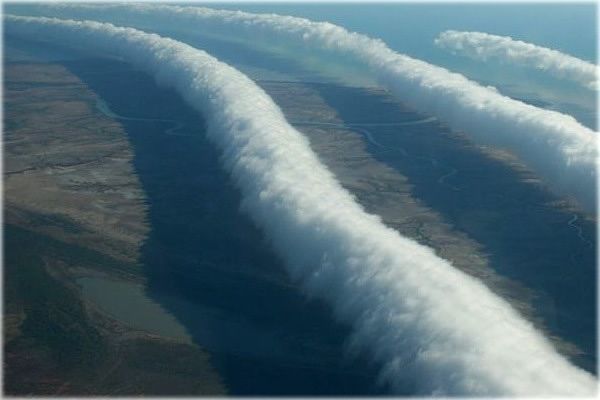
column 230, row 294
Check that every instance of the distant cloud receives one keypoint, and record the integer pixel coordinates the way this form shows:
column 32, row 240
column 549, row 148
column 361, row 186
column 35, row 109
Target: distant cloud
column 432, row 328
column 554, row 145
column 483, row 47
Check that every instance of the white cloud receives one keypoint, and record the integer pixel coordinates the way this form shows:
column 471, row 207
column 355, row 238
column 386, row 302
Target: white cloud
column 554, row 145
column 427, row 324
column 483, row 47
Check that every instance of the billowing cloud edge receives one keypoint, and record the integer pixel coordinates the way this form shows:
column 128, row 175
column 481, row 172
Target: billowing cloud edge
column 555, row 146
column 429, row 326
column 484, row 47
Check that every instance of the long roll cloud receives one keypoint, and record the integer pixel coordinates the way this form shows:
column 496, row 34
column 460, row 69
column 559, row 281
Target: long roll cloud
column 484, row 46
column 433, row 329
column 554, row 145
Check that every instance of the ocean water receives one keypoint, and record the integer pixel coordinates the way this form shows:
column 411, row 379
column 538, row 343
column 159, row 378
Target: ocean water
column 411, row 28
column 210, row 268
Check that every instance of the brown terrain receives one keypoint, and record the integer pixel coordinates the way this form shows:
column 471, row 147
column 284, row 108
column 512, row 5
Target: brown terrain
column 386, row 192
column 74, row 209
column 76, row 216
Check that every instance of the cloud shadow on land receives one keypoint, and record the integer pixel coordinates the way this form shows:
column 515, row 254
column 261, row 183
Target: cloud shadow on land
column 563, row 152
column 428, row 325
column 525, row 238
column 209, row 266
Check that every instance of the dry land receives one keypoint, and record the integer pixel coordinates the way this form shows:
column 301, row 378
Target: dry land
column 475, row 206
column 75, row 218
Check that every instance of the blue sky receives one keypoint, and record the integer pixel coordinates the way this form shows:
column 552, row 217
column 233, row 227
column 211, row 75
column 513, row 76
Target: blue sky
column 411, row 28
